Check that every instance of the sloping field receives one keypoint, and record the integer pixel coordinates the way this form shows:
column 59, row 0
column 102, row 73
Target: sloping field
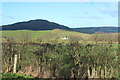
column 44, row 35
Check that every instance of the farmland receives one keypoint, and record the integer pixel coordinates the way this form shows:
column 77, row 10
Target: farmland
column 44, row 35
column 57, row 34
column 43, row 54
column 60, row 40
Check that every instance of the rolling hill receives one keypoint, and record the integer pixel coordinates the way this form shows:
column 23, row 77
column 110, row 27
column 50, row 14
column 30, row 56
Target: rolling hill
column 40, row 24
column 46, row 35
column 91, row 30
column 37, row 24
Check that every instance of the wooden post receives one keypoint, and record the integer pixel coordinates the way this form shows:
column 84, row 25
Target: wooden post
column 89, row 75
column 15, row 63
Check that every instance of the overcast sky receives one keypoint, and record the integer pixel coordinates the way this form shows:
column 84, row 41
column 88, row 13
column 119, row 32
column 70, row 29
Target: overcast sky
column 72, row 14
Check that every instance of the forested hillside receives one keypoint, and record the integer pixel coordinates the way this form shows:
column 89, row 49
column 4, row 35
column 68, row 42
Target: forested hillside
column 91, row 30
column 40, row 24
column 37, row 24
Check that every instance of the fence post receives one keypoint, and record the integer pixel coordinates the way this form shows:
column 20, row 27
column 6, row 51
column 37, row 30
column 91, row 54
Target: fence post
column 15, row 63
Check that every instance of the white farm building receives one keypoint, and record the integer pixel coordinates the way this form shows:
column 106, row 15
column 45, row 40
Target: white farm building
column 64, row 38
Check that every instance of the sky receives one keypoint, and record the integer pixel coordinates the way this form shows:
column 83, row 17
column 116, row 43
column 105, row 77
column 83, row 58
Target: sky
column 71, row 14
column 60, row 0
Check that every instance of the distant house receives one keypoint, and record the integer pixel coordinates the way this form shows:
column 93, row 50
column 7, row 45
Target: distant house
column 64, row 37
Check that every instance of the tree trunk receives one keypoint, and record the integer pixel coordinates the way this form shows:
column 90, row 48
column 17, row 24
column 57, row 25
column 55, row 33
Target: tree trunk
column 105, row 72
column 111, row 73
column 89, row 76
column 96, row 73
column 72, row 74
column 102, row 73
column 15, row 63
column 93, row 73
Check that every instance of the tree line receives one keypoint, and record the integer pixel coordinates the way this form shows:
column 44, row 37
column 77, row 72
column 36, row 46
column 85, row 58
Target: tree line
column 59, row 60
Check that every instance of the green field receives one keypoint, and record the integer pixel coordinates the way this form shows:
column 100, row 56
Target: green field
column 11, row 75
column 42, row 35
column 47, row 36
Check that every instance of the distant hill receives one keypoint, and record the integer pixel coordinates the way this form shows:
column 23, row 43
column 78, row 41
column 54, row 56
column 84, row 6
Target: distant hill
column 91, row 30
column 40, row 24
column 37, row 24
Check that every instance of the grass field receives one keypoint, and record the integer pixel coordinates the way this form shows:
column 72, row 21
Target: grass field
column 12, row 75
column 44, row 35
